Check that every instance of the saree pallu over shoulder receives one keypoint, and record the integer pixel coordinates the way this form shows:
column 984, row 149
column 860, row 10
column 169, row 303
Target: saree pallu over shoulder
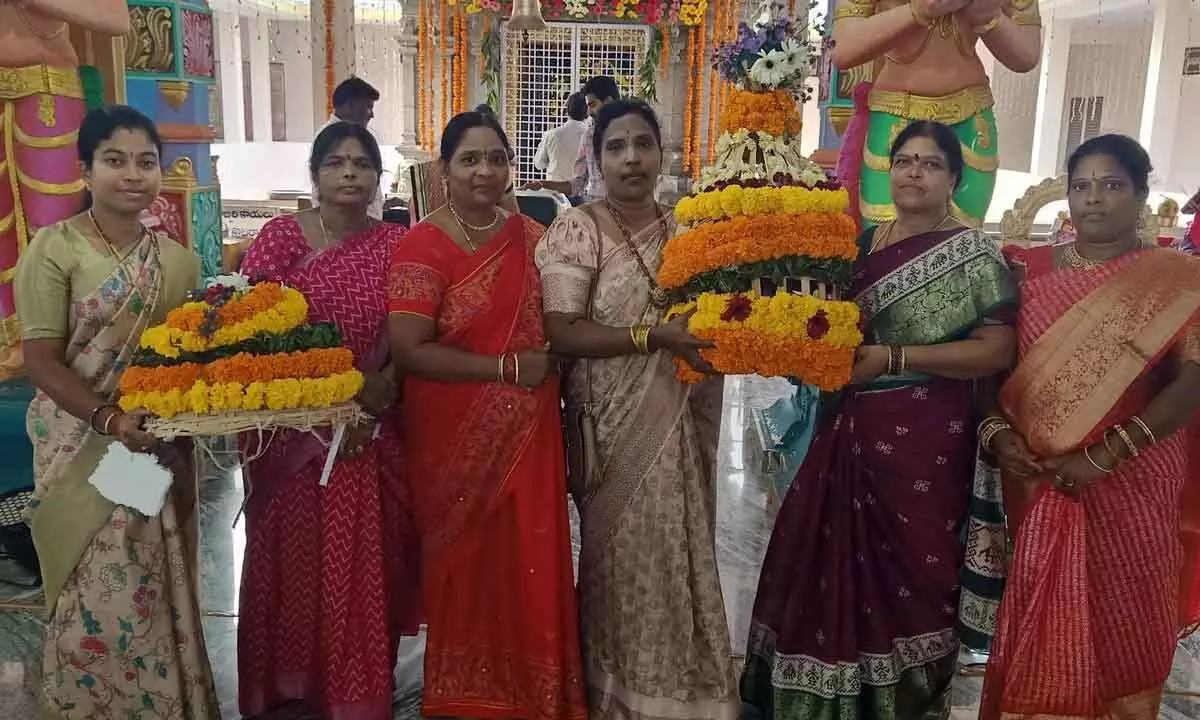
column 949, row 284
column 1075, row 373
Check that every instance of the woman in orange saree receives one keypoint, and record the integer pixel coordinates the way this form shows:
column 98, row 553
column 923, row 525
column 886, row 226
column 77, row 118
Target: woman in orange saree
column 1090, row 432
column 481, row 419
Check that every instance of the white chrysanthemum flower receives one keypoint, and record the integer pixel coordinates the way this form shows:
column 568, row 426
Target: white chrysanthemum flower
column 770, row 69
column 796, row 53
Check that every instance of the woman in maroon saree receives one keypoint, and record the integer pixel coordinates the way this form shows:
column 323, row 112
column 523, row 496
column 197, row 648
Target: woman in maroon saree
column 330, row 581
column 481, row 416
column 858, row 594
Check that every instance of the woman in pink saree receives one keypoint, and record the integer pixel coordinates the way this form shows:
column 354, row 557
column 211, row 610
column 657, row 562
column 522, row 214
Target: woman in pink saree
column 1100, row 484
column 330, row 582
column 123, row 637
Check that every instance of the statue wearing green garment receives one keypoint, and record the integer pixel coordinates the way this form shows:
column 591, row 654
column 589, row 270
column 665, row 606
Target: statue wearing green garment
column 926, row 68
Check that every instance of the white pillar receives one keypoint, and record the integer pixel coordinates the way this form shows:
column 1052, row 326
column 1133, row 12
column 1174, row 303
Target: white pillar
column 229, row 50
column 259, row 55
column 1164, row 82
column 1052, row 100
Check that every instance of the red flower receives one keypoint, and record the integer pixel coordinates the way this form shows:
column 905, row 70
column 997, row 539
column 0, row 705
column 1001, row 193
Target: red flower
column 738, row 308
column 93, row 645
column 818, row 325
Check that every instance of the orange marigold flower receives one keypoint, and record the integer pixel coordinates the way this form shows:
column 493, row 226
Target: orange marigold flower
column 774, row 112
column 746, row 239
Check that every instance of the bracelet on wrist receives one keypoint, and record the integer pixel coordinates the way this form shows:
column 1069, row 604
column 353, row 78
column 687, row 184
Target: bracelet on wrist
column 116, row 413
column 1123, row 434
column 96, row 414
column 640, row 334
column 1087, row 454
column 1141, row 424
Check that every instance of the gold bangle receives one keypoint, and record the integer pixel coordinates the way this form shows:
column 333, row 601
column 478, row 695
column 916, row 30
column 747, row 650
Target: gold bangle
column 988, row 422
column 1124, row 435
column 1107, row 445
column 500, row 368
column 516, row 369
column 108, row 420
column 1144, row 428
column 918, row 17
column 988, row 26
column 640, row 334
column 1087, row 453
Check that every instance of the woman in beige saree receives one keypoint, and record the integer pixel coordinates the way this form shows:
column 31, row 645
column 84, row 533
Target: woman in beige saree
column 123, row 638
column 655, row 639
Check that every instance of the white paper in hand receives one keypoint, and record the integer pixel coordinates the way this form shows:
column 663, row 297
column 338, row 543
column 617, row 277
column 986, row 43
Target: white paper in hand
column 135, row 480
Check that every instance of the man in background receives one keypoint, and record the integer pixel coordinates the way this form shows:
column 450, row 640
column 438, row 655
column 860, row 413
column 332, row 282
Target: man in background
column 586, row 183
column 354, row 102
column 559, row 148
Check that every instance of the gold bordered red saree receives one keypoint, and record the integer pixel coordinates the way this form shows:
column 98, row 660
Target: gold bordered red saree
column 1099, row 587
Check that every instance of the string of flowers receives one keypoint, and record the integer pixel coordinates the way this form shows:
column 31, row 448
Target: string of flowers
column 443, row 61
column 688, row 106
column 770, row 112
column 461, row 42
column 737, row 201
column 647, row 12
column 204, row 398
column 429, row 81
column 718, row 10
column 748, row 239
column 665, row 57
column 242, row 368
column 696, row 160
column 783, row 335
column 327, row 10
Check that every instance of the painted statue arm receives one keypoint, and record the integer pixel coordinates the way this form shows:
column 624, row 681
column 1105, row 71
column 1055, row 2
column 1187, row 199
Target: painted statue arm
column 1016, row 39
column 110, row 17
column 861, row 35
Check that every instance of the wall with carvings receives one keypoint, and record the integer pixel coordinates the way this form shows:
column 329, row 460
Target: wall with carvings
column 169, row 66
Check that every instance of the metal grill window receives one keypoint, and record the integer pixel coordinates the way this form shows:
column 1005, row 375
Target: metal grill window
column 543, row 69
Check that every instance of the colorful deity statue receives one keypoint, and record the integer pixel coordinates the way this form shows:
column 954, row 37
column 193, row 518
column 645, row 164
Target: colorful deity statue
column 41, row 107
column 922, row 56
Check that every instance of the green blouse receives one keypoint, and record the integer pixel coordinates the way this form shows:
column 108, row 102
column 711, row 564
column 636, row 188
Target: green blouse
column 61, row 267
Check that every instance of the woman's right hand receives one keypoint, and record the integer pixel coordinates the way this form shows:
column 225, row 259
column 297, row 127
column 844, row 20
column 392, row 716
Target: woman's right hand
column 127, row 427
column 534, row 367
column 675, row 338
column 1013, row 454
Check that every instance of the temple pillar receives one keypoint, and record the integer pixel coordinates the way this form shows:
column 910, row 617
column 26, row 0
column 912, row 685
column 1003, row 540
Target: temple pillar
column 233, row 98
column 169, row 68
column 258, row 53
column 1164, row 82
column 1052, row 97
column 671, row 105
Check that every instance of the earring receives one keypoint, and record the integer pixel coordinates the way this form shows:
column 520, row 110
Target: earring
column 445, row 190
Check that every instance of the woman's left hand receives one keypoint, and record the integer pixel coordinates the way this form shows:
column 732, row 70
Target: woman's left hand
column 1072, row 474
column 354, row 442
column 377, row 394
column 870, row 362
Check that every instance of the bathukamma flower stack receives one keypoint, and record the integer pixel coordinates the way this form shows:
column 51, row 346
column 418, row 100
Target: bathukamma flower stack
column 239, row 348
column 765, row 245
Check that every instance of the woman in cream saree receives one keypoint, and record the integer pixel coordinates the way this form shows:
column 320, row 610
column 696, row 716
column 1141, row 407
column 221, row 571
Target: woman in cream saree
column 656, row 643
column 124, row 636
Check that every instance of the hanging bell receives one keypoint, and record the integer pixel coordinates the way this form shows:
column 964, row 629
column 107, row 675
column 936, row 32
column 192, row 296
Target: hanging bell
column 526, row 16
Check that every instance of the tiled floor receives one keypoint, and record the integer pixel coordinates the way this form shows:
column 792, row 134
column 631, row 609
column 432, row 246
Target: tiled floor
column 745, row 512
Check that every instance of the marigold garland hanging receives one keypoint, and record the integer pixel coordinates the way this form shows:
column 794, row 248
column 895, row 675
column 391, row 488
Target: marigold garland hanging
column 330, row 79
column 688, row 111
column 443, row 61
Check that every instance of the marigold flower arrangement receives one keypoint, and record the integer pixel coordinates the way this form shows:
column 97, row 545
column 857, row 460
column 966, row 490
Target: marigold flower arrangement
column 765, row 245
column 239, row 348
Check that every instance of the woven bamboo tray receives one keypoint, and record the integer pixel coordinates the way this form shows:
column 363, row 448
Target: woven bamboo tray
column 229, row 423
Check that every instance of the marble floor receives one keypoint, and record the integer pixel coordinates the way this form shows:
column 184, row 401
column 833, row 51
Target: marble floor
column 746, row 508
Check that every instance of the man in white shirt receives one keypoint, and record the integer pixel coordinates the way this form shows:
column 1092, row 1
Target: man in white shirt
column 559, row 148
column 586, row 185
column 354, row 102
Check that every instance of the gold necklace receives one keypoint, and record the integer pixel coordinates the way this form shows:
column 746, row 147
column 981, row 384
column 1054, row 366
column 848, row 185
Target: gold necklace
column 883, row 238
column 1071, row 257
column 658, row 297
column 108, row 243
column 477, row 228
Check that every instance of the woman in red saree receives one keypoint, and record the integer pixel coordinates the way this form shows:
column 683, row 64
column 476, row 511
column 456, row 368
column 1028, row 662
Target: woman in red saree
column 1098, row 486
column 481, row 416
column 330, row 581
